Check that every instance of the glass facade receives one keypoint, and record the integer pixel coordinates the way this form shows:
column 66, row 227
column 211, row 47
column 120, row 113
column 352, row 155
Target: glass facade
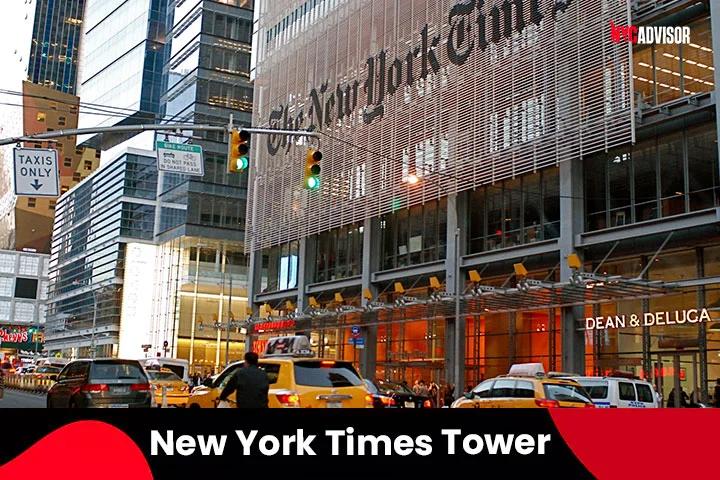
column 339, row 253
column 54, row 48
column 514, row 212
column 663, row 73
column 661, row 176
column 93, row 223
column 206, row 79
column 124, row 51
column 414, row 235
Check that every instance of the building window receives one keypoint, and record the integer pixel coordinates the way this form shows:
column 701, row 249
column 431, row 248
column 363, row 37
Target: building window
column 339, row 253
column 61, row 121
column 38, row 145
column 78, row 151
column 280, row 266
column 5, row 307
column 88, row 165
column 514, row 212
column 31, row 202
column 51, row 205
column 6, row 287
column 24, row 312
column 26, row 288
column 415, row 235
column 76, row 177
column 29, row 266
column 7, row 263
column 669, row 174
column 40, row 117
column 662, row 73
column 64, row 189
column 67, row 162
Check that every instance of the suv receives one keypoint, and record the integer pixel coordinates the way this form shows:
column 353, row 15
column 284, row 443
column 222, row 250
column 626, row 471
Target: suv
column 297, row 379
column 526, row 386
column 619, row 390
column 102, row 383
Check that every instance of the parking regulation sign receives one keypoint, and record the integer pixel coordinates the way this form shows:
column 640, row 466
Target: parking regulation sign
column 36, row 172
column 355, row 331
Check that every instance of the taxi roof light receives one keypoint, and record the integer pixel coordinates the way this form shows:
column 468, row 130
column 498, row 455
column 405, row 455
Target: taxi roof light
column 527, row 370
column 292, row 346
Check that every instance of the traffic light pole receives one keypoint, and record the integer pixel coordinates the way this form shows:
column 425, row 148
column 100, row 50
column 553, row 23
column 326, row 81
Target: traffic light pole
column 145, row 128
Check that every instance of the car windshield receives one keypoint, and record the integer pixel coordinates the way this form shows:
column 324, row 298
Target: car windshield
column 393, row 388
column 326, row 374
column 370, row 386
column 595, row 388
column 117, row 369
column 48, row 370
column 566, row 393
column 164, row 376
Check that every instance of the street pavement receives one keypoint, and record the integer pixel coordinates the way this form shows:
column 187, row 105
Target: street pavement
column 16, row 399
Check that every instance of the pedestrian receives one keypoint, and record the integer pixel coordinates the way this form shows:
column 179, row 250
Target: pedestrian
column 449, row 397
column 250, row 383
column 716, row 395
column 422, row 390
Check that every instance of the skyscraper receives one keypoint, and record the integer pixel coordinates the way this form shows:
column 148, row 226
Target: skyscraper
column 56, row 43
column 123, row 56
column 49, row 102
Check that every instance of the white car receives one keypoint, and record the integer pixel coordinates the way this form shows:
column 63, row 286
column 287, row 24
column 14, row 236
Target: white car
column 619, row 390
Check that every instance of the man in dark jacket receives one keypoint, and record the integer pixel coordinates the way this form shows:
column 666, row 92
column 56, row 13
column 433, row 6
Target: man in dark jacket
column 250, row 383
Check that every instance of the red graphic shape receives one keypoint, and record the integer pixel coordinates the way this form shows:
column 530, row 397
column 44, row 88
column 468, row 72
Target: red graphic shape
column 82, row 450
column 631, row 443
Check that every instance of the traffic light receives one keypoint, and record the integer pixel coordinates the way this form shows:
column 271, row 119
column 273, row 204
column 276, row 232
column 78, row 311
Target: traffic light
column 312, row 169
column 239, row 150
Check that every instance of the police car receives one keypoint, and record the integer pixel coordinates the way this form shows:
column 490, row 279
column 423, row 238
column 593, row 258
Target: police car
column 619, row 390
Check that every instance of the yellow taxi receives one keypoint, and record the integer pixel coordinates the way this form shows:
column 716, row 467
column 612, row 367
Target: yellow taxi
column 297, row 379
column 526, row 386
column 177, row 391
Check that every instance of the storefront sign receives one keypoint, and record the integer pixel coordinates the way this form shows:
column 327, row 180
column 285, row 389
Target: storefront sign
column 273, row 326
column 21, row 337
column 677, row 317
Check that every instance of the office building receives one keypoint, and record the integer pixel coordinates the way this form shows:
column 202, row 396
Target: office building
column 488, row 195
column 23, row 293
column 123, row 53
column 54, row 51
column 201, row 219
column 44, row 99
column 102, row 262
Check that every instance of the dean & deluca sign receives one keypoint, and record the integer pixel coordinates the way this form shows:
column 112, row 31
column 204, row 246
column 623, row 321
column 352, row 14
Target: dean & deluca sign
column 677, row 317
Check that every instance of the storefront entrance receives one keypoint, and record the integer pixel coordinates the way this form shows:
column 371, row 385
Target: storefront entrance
column 678, row 372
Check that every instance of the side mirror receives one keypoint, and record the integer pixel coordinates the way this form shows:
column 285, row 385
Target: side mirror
column 207, row 382
column 53, row 378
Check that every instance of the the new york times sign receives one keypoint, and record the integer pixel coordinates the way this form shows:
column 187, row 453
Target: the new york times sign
column 472, row 32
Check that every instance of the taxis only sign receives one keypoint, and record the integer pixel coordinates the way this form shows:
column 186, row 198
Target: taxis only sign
column 345, row 443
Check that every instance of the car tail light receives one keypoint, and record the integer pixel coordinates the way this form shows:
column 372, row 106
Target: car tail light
column 427, row 404
column 184, row 388
column 589, row 405
column 327, row 363
column 387, row 401
column 288, row 399
column 545, row 403
column 94, row 388
column 140, row 387
column 368, row 400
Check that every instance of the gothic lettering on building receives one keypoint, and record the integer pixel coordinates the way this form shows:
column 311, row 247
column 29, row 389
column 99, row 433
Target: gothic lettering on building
column 475, row 27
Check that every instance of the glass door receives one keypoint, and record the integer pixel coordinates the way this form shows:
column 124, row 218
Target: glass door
column 678, row 372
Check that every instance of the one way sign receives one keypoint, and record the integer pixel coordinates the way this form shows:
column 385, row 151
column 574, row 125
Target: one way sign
column 36, row 172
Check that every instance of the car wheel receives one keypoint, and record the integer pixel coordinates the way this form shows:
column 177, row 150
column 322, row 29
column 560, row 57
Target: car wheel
column 194, row 405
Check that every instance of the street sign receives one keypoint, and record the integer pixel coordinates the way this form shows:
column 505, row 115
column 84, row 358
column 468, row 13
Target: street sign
column 36, row 172
column 360, row 342
column 180, row 158
column 355, row 331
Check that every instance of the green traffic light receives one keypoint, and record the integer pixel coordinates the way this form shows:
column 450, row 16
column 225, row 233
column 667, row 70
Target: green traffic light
column 242, row 163
column 313, row 183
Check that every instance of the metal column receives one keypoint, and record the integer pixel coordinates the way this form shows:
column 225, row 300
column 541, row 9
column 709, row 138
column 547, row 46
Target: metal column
column 702, row 328
column 715, row 26
column 571, row 224
column 371, row 263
